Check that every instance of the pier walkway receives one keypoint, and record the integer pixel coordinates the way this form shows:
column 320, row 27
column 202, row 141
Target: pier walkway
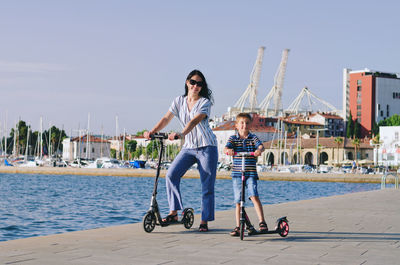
column 357, row 228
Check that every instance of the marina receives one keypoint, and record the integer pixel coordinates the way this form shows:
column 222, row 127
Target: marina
column 86, row 85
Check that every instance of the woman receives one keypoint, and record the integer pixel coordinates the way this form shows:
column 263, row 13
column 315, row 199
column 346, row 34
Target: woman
column 193, row 110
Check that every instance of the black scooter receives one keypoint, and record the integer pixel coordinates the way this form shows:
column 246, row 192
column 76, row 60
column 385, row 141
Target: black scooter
column 282, row 227
column 153, row 216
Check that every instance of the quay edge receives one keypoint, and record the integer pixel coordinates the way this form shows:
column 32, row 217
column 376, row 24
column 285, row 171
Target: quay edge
column 268, row 176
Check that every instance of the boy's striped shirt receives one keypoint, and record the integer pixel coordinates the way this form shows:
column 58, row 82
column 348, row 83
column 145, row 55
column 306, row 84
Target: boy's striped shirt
column 250, row 144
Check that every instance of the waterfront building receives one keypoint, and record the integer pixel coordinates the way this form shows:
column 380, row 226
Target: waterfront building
column 305, row 150
column 333, row 123
column 370, row 96
column 81, row 147
column 389, row 149
column 327, row 123
column 300, row 125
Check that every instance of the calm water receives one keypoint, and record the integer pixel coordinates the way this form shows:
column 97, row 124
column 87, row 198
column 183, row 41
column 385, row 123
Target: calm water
column 34, row 205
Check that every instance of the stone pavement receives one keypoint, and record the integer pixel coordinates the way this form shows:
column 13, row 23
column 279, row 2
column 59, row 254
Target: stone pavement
column 357, row 228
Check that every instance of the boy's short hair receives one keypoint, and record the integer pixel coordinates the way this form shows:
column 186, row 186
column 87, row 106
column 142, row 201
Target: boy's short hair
column 244, row 116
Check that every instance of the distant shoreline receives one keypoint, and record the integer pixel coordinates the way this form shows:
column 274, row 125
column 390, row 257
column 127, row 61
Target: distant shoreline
column 129, row 172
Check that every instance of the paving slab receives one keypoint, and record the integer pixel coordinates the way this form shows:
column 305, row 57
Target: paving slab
column 356, row 228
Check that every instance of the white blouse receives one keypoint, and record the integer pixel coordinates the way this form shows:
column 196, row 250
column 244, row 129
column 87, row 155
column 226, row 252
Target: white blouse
column 201, row 135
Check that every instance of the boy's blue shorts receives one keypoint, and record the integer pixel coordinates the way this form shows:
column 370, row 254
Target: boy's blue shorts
column 251, row 188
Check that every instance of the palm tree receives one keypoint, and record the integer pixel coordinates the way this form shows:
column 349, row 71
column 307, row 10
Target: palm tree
column 338, row 141
column 356, row 143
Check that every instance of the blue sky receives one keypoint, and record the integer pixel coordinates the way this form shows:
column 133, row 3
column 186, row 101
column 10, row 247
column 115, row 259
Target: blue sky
column 64, row 59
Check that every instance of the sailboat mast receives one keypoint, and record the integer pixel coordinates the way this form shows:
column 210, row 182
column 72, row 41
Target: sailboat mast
column 49, row 151
column 87, row 138
column 5, row 135
column 123, row 146
column 15, row 141
column 41, row 137
column 101, row 143
column 27, row 145
column 116, row 136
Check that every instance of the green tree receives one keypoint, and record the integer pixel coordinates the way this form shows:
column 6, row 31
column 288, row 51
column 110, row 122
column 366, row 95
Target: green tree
column 350, row 127
column 391, row 121
column 138, row 152
column 140, row 133
column 152, row 150
column 357, row 129
column 130, row 147
column 21, row 143
column 113, row 153
column 375, row 129
column 338, row 141
column 356, row 143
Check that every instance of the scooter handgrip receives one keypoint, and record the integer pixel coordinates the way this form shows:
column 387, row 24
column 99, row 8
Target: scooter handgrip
column 158, row 136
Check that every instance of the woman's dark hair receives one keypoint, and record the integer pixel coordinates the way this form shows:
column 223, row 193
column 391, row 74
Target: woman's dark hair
column 205, row 91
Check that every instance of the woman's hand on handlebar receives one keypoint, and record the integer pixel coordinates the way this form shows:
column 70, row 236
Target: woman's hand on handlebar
column 147, row 134
column 174, row 136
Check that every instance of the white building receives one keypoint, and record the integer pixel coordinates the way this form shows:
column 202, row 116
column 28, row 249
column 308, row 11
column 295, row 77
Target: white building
column 389, row 150
column 74, row 148
column 333, row 124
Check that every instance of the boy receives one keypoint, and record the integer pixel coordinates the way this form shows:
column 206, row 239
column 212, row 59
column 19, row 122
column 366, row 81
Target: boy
column 245, row 141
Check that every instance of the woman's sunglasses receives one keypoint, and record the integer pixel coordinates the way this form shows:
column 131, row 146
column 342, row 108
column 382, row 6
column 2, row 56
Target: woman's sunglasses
column 198, row 83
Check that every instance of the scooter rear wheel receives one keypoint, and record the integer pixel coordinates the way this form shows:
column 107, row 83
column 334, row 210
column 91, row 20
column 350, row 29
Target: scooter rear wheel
column 149, row 222
column 188, row 219
column 283, row 227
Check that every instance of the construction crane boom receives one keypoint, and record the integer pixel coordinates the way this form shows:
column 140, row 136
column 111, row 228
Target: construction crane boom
column 294, row 107
column 275, row 93
column 251, row 90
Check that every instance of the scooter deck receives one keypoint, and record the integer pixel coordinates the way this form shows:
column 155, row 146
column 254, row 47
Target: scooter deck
column 261, row 232
column 177, row 222
column 253, row 232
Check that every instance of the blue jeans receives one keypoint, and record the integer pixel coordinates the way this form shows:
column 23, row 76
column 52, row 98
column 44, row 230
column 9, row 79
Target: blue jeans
column 251, row 187
column 206, row 159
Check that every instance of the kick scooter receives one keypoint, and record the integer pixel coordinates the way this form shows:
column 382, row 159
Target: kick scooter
column 282, row 227
column 153, row 216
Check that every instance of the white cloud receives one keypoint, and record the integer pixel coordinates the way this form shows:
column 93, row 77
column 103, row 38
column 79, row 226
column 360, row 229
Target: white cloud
column 29, row 67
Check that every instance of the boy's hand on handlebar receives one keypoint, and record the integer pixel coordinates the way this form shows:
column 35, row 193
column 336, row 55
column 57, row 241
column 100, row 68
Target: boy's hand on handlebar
column 229, row 152
column 257, row 152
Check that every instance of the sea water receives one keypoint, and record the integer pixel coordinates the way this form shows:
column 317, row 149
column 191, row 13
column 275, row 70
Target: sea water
column 35, row 205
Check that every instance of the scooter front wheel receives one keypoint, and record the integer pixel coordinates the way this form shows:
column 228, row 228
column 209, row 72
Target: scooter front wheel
column 188, row 218
column 283, row 228
column 149, row 222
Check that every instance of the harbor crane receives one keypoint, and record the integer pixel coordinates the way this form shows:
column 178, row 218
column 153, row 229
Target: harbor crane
column 312, row 99
column 275, row 94
column 251, row 90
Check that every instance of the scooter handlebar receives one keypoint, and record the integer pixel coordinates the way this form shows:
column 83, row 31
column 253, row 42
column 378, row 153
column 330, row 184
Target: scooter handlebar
column 244, row 154
column 160, row 135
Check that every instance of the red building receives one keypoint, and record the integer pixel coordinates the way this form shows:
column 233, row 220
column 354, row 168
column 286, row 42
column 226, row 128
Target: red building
column 370, row 97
